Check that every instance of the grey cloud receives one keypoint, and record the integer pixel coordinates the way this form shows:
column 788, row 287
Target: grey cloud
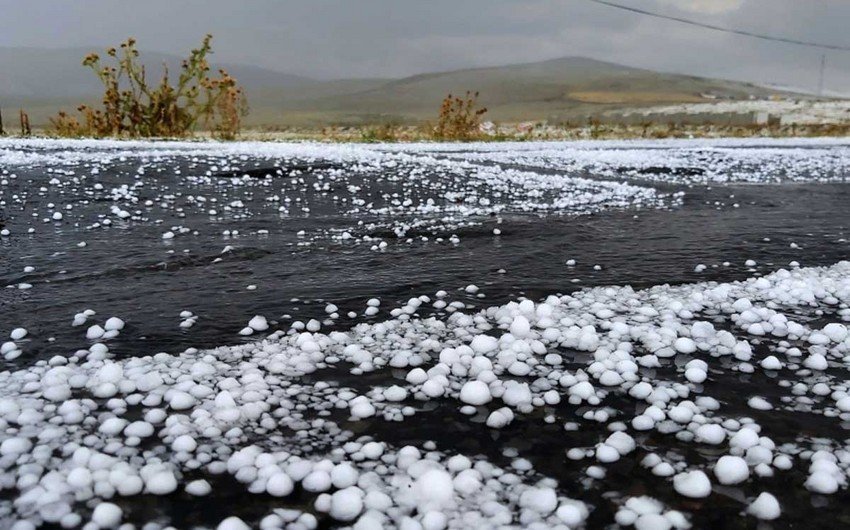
column 360, row 38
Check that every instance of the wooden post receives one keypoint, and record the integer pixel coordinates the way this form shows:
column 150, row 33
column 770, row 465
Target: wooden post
column 2, row 132
column 25, row 124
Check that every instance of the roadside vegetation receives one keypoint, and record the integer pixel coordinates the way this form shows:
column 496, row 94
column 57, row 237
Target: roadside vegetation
column 543, row 131
column 199, row 103
column 383, row 132
column 459, row 119
column 134, row 107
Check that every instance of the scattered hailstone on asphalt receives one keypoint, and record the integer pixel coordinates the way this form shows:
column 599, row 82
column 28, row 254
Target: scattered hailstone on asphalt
column 86, row 431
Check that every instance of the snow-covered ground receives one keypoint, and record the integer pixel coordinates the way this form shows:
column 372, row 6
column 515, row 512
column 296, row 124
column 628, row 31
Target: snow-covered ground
column 84, row 433
column 756, row 161
column 465, row 192
column 799, row 112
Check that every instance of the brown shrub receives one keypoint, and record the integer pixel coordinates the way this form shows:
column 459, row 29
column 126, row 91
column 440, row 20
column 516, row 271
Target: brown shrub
column 460, row 118
column 131, row 107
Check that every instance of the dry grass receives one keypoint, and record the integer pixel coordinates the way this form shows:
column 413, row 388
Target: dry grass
column 459, row 120
column 636, row 98
column 383, row 132
column 539, row 131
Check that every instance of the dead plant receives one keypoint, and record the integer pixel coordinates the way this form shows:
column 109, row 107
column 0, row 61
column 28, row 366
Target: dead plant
column 131, row 107
column 460, row 118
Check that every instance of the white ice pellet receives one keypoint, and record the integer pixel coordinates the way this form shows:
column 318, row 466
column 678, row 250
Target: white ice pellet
column 434, row 490
column 198, row 488
column 106, row 515
column 317, row 481
column 95, row 332
column 731, row 470
column 15, row 446
column 711, row 434
column 395, row 393
column 541, row 500
column 258, row 323
column 233, row 523
column 771, row 363
column 181, row 401
column 279, row 485
column 685, row 345
column 139, row 429
column 693, row 484
column 161, row 482
column 113, row 324
column 346, row 504
column 475, row 393
column 184, row 443
column 765, row 507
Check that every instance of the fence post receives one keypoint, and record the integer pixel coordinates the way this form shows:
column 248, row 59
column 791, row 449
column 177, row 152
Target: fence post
column 25, row 124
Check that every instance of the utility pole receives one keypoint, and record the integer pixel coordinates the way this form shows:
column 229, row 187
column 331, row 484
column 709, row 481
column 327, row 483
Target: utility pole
column 820, row 79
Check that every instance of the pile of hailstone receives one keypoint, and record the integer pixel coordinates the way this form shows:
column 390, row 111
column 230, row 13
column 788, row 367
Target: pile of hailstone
column 80, row 432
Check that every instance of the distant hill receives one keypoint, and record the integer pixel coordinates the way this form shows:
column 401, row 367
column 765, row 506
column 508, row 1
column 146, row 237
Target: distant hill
column 572, row 88
column 39, row 73
column 555, row 89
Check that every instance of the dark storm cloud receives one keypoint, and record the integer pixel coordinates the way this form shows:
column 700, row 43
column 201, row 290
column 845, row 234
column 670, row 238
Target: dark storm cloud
column 358, row 38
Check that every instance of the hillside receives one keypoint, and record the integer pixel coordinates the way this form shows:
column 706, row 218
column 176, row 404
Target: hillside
column 42, row 81
column 39, row 73
column 556, row 89
column 571, row 88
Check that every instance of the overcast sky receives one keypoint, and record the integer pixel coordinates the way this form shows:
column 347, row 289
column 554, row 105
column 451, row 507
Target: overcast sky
column 360, row 38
